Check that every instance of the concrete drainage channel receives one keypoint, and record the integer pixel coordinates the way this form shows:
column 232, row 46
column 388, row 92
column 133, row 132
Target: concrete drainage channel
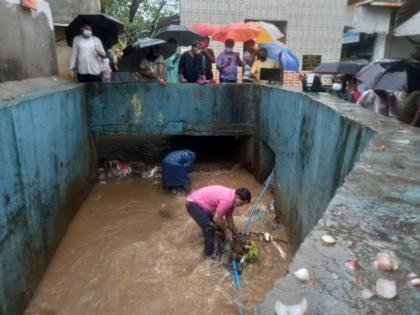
column 317, row 144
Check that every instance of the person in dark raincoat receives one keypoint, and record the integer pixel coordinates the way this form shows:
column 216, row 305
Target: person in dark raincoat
column 176, row 166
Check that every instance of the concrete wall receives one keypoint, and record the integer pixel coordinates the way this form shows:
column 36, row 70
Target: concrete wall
column 376, row 208
column 46, row 163
column 27, row 47
column 64, row 11
column 135, row 108
column 315, row 148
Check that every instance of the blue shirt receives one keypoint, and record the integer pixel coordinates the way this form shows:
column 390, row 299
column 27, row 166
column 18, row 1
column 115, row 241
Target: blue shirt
column 231, row 72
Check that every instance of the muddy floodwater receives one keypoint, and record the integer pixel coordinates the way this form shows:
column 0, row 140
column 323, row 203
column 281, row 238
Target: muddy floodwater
column 133, row 249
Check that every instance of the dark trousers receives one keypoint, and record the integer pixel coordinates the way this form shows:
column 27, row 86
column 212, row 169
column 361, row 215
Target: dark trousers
column 82, row 78
column 227, row 81
column 203, row 219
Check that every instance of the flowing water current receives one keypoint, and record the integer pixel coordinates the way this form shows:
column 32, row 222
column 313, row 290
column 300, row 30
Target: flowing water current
column 132, row 249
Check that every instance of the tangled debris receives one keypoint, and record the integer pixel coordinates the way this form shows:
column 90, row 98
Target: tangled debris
column 114, row 169
column 244, row 248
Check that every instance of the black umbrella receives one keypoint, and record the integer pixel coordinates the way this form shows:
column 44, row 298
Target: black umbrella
column 392, row 75
column 142, row 43
column 104, row 27
column 344, row 67
column 184, row 35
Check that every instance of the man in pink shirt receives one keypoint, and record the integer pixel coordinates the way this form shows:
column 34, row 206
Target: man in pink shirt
column 216, row 204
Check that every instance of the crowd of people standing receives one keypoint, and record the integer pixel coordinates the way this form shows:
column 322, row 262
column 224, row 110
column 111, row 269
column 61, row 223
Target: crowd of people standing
column 196, row 65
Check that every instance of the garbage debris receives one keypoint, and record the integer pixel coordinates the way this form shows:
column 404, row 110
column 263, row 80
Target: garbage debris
column 386, row 261
column 412, row 275
column 415, row 282
column 296, row 309
column 302, row 274
column 351, row 264
column 280, row 250
column 368, row 293
column 114, row 169
column 153, row 173
column 386, row 288
column 328, row 239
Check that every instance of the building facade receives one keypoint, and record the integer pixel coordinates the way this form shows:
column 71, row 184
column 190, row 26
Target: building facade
column 312, row 28
column 378, row 37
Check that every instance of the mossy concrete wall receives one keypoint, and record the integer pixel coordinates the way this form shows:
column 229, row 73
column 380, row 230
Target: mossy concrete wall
column 375, row 209
column 47, row 159
column 315, row 147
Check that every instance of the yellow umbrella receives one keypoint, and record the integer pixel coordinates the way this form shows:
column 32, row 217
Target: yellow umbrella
column 268, row 32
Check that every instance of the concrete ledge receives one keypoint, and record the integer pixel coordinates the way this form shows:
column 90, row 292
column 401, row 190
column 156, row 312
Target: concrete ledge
column 377, row 208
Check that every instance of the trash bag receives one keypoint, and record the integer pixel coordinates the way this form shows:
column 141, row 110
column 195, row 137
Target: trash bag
column 176, row 166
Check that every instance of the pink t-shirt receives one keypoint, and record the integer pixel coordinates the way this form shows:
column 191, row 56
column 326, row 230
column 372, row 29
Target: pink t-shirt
column 215, row 198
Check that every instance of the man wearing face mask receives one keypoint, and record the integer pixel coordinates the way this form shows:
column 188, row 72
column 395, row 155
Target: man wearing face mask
column 86, row 56
column 338, row 88
column 190, row 65
column 260, row 63
column 228, row 62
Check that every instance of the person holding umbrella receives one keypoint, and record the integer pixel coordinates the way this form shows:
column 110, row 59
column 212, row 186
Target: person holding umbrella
column 152, row 66
column 86, row 56
column 172, row 63
column 228, row 62
column 190, row 66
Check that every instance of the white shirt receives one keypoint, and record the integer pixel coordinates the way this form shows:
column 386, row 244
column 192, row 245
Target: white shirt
column 84, row 57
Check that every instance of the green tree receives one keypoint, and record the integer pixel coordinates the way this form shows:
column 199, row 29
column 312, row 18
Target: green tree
column 139, row 16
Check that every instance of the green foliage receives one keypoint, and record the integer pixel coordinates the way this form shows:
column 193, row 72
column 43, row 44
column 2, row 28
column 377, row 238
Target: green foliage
column 253, row 253
column 146, row 17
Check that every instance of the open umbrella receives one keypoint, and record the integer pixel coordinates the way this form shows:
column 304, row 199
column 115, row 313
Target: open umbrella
column 181, row 33
column 143, row 43
column 268, row 32
column 344, row 67
column 276, row 50
column 239, row 32
column 390, row 74
column 105, row 27
column 205, row 29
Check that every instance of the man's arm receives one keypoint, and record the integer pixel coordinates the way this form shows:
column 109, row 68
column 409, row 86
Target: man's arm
column 238, row 60
column 220, row 65
column 73, row 59
column 99, row 48
column 229, row 221
column 254, row 71
column 210, row 54
column 181, row 69
column 224, row 207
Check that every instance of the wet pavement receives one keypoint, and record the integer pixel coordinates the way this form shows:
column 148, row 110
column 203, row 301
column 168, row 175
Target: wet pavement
column 133, row 249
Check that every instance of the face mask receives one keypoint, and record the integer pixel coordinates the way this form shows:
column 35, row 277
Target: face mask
column 229, row 50
column 337, row 87
column 87, row 33
column 196, row 50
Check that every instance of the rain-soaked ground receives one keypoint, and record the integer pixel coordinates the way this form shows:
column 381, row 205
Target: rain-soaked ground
column 123, row 254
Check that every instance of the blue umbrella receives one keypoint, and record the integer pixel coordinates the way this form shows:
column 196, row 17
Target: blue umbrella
column 275, row 49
